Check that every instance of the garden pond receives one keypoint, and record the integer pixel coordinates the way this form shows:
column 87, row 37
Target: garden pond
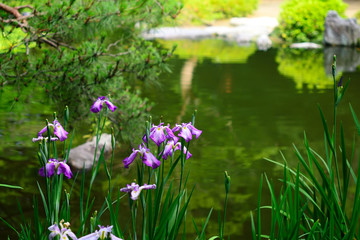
column 250, row 105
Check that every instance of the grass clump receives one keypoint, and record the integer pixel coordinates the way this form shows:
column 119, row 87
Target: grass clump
column 320, row 198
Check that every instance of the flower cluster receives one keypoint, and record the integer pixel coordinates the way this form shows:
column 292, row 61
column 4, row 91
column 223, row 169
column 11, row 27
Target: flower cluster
column 135, row 190
column 59, row 131
column 171, row 146
column 98, row 104
column 145, row 155
column 186, row 131
column 159, row 134
column 53, row 166
column 65, row 232
column 102, row 234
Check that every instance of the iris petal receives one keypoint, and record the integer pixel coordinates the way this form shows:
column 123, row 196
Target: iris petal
column 91, row 236
column 71, row 234
column 127, row 161
column 158, row 136
column 50, row 169
column 65, row 169
column 97, row 106
column 168, row 150
column 42, row 131
column 53, row 234
column 113, row 237
column 150, row 160
column 152, row 186
column 185, row 133
column 170, row 134
column 144, row 138
column 135, row 194
column 195, row 131
column 54, row 228
column 177, row 128
column 59, row 131
column 110, row 105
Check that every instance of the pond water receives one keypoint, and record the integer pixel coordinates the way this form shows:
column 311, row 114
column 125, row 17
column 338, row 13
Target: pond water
column 250, row 105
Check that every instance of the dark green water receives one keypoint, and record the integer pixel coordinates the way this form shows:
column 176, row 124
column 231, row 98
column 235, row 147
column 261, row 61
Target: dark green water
column 251, row 105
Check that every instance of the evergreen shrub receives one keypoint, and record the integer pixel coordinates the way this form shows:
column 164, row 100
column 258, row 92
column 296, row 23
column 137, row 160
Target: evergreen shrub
column 303, row 20
column 207, row 10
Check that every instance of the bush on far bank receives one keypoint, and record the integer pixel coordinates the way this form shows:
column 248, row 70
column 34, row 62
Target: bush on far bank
column 303, row 20
column 204, row 11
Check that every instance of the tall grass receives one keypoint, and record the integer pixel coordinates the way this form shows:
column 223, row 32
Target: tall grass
column 317, row 199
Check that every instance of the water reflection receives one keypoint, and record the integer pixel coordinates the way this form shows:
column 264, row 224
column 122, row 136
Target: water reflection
column 348, row 59
column 185, row 84
column 218, row 50
column 305, row 68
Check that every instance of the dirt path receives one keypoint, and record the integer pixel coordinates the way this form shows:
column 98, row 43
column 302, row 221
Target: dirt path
column 271, row 8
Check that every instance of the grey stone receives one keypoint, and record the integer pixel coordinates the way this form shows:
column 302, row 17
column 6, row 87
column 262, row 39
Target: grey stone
column 347, row 59
column 84, row 153
column 263, row 42
column 246, row 30
column 339, row 31
column 306, row 45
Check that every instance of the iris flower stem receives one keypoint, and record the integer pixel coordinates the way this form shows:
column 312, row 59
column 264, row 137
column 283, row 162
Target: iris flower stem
column 162, row 171
column 99, row 131
column 111, row 161
column 133, row 217
column 66, row 113
column 143, row 230
column 223, row 224
column 48, row 145
column 182, row 162
column 334, row 129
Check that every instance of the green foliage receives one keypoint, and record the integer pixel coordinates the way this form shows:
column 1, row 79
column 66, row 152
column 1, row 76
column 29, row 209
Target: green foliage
column 198, row 11
column 12, row 37
column 77, row 50
column 303, row 20
column 305, row 67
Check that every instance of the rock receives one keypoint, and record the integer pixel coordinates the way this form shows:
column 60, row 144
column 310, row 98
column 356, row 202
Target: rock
column 176, row 33
column 84, row 153
column 306, row 45
column 347, row 59
column 263, row 42
column 246, row 30
column 341, row 32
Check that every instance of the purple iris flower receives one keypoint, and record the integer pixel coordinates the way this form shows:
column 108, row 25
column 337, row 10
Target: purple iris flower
column 145, row 155
column 186, row 131
column 171, row 146
column 59, row 131
column 54, row 165
column 98, row 104
column 103, row 233
column 135, row 190
column 157, row 134
column 64, row 232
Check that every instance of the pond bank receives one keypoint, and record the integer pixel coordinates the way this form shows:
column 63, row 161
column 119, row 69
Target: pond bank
column 255, row 28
